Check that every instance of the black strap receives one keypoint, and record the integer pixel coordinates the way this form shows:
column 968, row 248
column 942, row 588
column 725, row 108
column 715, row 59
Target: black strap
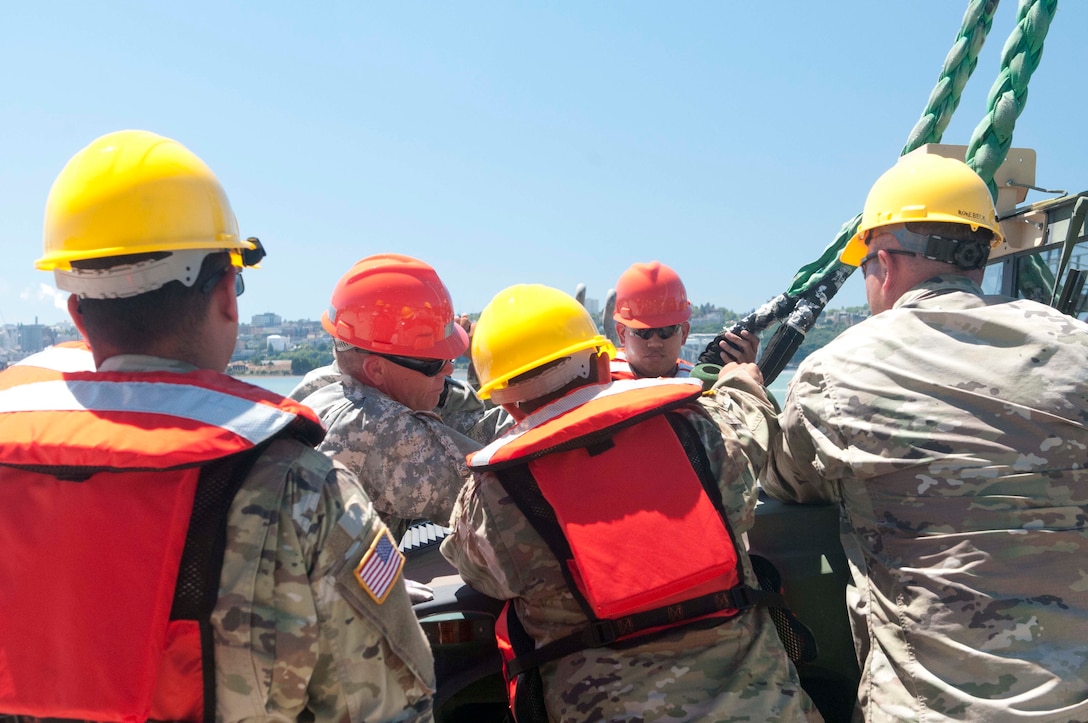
column 197, row 588
column 600, row 633
column 796, row 637
column 527, row 705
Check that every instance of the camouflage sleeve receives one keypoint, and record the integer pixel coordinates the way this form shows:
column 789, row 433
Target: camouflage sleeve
column 736, row 423
column 295, row 636
column 475, row 546
column 315, row 379
column 797, row 472
column 462, row 409
column 410, row 463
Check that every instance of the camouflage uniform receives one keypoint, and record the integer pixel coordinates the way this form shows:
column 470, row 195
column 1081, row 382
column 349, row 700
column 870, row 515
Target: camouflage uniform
column 410, row 463
column 952, row 431
column 735, row 671
column 295, row 634
column 460, row 407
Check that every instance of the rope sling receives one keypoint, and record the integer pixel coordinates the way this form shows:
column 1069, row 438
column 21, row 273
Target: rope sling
column 797, row 309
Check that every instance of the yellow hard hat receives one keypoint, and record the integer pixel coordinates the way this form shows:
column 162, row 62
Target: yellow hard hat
column 134, row 192
column 924, row 187
column 525, row 327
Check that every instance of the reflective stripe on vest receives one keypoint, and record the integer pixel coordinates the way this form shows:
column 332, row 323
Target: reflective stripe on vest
column 46, row 415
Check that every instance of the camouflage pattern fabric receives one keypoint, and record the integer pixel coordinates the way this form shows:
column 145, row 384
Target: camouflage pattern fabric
column 460, row 406
column 410, row 463
column 314, row 380
column 294, row 630
column 736, row 671
column 462, row 409
column 953, row 431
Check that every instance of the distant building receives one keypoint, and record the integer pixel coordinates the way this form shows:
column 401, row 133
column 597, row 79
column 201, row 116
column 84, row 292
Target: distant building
column 277, row 342
column 267, row 319
column 34, row 337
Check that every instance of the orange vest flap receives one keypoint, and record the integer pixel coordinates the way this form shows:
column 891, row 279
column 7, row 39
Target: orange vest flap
column 640, row 539
column 89, row 571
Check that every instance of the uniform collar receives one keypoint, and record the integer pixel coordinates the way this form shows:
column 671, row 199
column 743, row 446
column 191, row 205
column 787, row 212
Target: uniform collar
column 144, row 363
column 937, row 286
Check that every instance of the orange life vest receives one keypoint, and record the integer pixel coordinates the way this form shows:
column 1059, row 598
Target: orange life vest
column 605, row 477
column 98, row 474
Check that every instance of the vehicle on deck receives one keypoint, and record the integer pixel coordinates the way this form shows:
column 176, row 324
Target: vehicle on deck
column 1044, row 257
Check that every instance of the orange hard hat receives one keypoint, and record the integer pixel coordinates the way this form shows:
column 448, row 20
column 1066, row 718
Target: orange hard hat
column 650, row 296
column 394, row 304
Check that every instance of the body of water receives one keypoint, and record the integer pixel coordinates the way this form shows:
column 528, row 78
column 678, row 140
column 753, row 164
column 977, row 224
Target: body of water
column 278, row 384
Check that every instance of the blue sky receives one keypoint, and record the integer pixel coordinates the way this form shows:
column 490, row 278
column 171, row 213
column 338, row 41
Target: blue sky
column 503, row 143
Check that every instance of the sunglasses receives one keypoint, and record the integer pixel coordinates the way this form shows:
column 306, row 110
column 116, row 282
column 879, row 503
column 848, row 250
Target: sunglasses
column 663, row 332
column 426, row 367
column 869, row 257
column 239, row 284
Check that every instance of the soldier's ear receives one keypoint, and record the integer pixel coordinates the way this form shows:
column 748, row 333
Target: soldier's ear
column 603, row 368
column 374, row 369
column 75, row 310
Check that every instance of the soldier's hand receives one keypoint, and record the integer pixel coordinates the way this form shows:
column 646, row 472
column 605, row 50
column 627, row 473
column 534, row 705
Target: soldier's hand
column 749, row 368
column 740, row 348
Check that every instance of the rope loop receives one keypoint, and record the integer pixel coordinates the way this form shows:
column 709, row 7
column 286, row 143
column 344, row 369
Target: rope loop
column 992, row 138
column 960, row 63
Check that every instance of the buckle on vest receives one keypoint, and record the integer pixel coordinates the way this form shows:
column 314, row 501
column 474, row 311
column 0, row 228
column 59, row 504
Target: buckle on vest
column 600, row 633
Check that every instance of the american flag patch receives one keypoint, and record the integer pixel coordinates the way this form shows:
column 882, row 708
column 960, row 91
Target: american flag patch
column 380, row 567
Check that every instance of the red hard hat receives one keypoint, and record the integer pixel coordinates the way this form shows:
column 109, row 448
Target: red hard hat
column 651, row 295
column 394, row 304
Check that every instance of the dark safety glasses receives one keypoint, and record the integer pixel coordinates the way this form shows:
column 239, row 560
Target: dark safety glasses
column 239, row 284
column 250, row 257
column 426, row 367
column 869, row 257
column 663, row 332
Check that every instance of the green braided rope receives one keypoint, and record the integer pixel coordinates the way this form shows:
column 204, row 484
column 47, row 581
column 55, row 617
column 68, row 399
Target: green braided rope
column 958, row 66
column 960, row 62
column 992, row 138
column 815, row 283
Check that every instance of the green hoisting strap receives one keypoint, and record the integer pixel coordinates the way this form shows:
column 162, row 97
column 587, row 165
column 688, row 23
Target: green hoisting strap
column 817, row 282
